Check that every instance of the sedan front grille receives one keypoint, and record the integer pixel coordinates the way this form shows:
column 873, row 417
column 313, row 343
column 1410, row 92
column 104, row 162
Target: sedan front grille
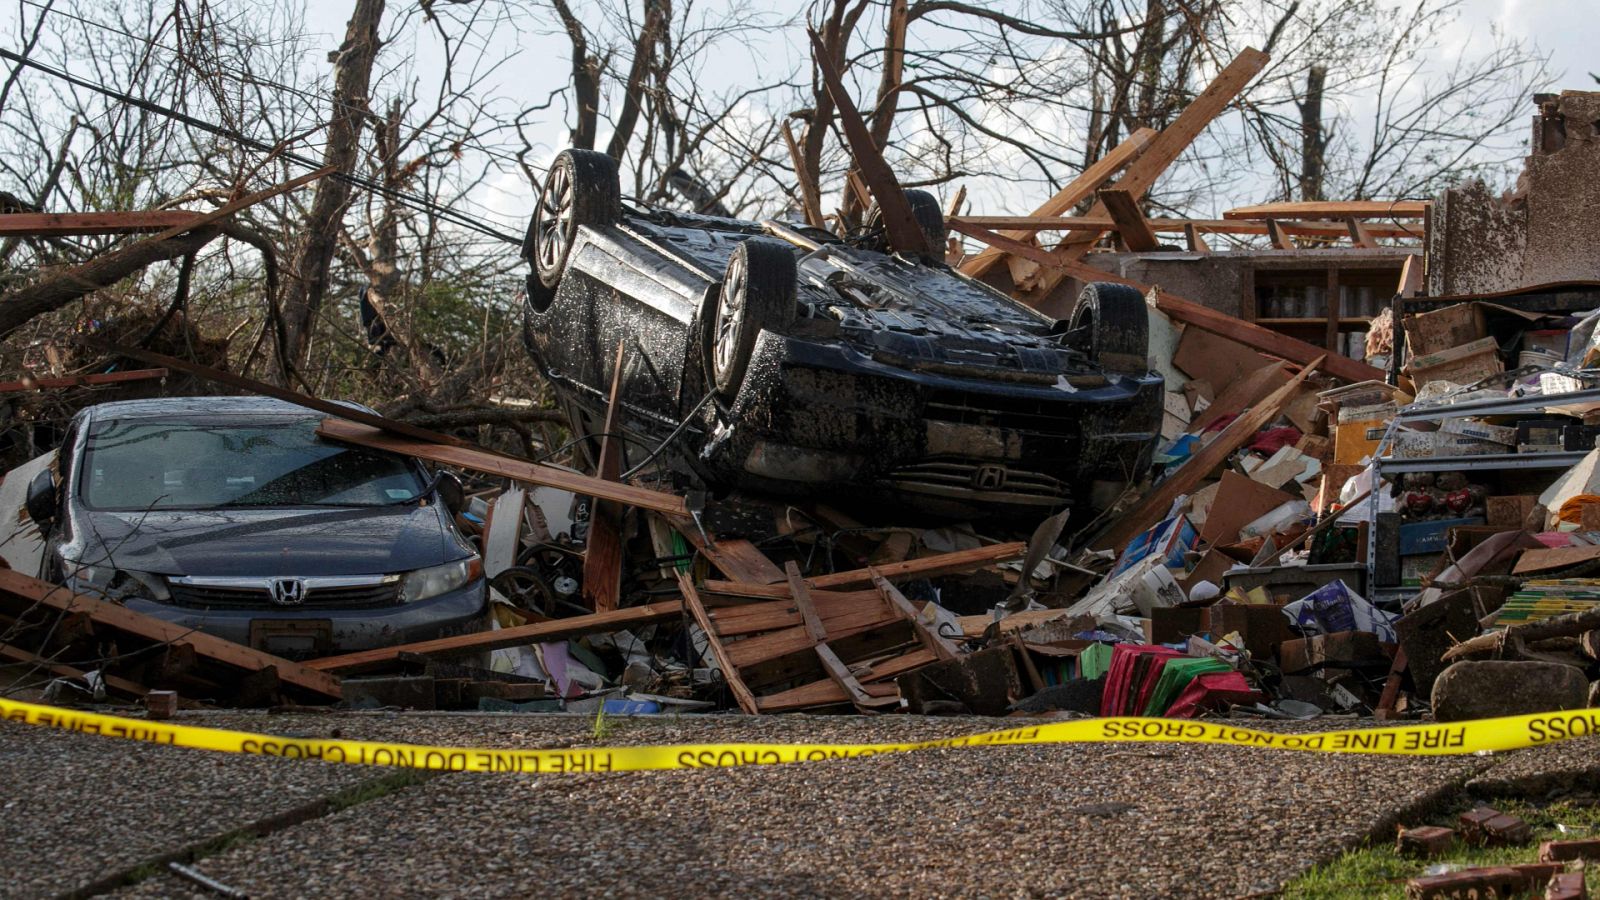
column 197, row 594
column 988, row 482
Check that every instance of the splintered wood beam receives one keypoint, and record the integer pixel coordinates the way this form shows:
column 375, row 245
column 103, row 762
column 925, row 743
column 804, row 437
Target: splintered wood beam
column 1360, row 235
column 1410, row 277
column 802, row 602
column 810, row 196
column 905, row 235
column 60, row 224
column 1333, row 209
column 522, row 470
column 1131, row 224
column 1154, row 505
column 840, row 674
column 923, row 567
column 602, row 555
column 501, row 638
column 1195, row 240
column 1189, row 312
column 1076, row 191
column 730, row 673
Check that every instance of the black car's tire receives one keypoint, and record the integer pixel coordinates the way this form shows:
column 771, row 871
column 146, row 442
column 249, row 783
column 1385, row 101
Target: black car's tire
column 1112, row 324
column 930, row 218
column 758, row 292
column 581, row 188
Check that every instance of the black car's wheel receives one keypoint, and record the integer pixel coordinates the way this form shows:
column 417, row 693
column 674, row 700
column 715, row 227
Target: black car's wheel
column 582, row 188
column 1112, row 324
column 930, row 218
column 758, row 291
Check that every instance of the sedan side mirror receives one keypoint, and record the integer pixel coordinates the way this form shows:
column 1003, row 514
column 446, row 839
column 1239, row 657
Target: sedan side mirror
column 452, row 493
column 41, row 503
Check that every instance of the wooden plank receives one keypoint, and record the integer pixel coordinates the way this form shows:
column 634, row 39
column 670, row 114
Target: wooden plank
column 67, row 381
column 802, row 603
column 771, row 615
column 827, row 693
column 115, row 222
column 922, row 567
column 1192, row 313
column 1333, row 209
column 1196, row 241
column 1410, row 277
column 730, row 672
column 905, row 235
column 62, row 670
column 940, row 646
column 1020, row 227
column 518, row 636
column 476, row 460
column 1131, row 225
column 120, row 618
column 1159, row 500
column 1076, row 191
column 772, row 645
column 602, row 553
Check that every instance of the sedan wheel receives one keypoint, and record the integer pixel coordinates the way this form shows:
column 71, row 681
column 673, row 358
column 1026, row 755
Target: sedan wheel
column 582, row 188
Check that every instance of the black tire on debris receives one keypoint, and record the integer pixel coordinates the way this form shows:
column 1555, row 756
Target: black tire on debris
column 930, row 217
column 1112, row 324
column 758, row 292
column 581, row 188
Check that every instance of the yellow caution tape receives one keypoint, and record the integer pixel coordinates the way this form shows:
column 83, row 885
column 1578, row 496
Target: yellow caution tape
column 1454, row 738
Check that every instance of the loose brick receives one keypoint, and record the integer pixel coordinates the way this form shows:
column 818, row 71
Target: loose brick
column 1557, row 851
column 1425, row 840
column 1506, row 829
column 1567, row 886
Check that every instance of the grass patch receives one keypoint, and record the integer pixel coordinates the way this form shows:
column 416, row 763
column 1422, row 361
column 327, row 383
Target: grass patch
column 1376, row 871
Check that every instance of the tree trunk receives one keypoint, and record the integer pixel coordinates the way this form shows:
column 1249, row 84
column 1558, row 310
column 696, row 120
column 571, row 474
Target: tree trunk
column 1313, row 142
column 308, row 269
column 657, row 15
column 585, row 79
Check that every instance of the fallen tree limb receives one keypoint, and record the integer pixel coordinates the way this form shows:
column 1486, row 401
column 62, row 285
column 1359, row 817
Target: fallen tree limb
column 1569, row 625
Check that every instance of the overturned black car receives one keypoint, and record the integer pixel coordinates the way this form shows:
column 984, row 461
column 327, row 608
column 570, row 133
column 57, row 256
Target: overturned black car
column 797, row 361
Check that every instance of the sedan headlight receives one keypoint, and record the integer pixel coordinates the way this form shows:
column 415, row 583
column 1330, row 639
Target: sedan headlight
column 117, row 584
column 431, row 582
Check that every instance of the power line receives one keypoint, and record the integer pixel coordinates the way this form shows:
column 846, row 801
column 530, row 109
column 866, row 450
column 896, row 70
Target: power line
column 421, row 204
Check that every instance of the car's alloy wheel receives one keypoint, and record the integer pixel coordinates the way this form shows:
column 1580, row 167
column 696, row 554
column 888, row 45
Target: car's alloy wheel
column 582, row 188
column 758, row 292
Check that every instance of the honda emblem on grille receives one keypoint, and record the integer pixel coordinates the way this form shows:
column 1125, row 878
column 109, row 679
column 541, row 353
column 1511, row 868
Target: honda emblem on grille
column 989, row 478
column 288, row 591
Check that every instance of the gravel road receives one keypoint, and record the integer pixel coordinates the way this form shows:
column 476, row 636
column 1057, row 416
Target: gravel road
column 1105, row 820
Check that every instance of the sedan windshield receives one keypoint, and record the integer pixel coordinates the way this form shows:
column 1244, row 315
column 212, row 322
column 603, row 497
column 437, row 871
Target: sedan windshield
column 142, row 463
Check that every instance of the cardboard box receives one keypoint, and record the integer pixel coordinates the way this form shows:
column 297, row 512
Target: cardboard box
column 1510, row 510
column 1413, row 444
column 1341, row 649
column 1441, row 329
column 1450, row 445
column 1262, row 625
column 1417, row 538
column 1355, row 441
column 1465, row 364
column 1239, row 501
column 1171, row 624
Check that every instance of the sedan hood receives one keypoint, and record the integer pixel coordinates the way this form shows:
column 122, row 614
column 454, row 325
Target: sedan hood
column 305, row 542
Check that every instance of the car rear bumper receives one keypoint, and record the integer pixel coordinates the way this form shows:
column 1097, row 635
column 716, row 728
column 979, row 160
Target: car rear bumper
column 814, row 413
column 300, row 631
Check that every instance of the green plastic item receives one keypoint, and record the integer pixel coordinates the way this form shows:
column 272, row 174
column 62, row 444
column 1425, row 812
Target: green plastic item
column 1175, row 676
column 1093, row 661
